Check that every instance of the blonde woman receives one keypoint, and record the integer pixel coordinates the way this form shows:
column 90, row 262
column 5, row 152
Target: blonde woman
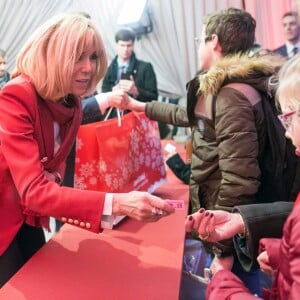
column 39, row 118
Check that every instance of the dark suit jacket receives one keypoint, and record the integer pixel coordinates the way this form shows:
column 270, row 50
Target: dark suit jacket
column 281, row 50
column 143, row 74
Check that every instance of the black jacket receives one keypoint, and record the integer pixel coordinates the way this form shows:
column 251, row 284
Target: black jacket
column 261, row 220
column 181, row 170
column 143, row 74
column 281, row 50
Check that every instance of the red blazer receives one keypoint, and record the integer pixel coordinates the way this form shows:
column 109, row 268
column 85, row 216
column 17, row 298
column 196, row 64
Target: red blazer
column 24, row 152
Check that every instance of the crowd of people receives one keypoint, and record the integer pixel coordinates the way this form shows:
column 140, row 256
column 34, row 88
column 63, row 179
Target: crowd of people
column 278, row 251
column 225, row 171
column 226, row 115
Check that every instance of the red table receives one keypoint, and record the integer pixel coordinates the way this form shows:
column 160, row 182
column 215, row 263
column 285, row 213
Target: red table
column 133, row 261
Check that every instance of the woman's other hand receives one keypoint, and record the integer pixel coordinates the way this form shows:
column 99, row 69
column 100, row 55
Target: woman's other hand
column 118, row 98
column 141, row 206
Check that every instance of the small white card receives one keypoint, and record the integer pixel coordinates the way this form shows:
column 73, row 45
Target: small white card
column 170, row 148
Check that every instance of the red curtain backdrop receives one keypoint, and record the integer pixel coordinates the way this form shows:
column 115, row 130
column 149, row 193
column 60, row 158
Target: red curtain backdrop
column 268, row 15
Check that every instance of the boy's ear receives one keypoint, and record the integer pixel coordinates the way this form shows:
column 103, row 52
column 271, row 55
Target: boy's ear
column 215, row 41
column 215, row 44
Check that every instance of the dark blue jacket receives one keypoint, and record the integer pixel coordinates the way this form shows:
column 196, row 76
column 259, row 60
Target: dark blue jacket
column 281, row 50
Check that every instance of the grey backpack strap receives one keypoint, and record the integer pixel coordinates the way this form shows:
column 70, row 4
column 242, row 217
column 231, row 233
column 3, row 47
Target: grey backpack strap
column 247, row 90
column 250, row 92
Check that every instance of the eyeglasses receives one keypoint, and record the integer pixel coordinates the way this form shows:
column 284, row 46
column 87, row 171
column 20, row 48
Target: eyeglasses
column 286, row 119
column 199, row 41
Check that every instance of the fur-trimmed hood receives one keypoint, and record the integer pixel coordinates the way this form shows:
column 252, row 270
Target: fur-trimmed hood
column 242, row 68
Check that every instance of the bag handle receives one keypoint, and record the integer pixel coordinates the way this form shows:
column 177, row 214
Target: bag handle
column 119, row 115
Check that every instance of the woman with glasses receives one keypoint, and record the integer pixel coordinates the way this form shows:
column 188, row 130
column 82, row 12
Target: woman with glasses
column 279, row 257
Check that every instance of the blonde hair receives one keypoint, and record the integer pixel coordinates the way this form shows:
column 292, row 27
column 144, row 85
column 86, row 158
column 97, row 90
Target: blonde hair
column 289, row 82
column 50, row 54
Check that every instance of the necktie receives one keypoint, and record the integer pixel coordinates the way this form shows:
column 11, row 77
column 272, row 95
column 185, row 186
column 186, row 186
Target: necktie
column 122, row 69
column 295, row 50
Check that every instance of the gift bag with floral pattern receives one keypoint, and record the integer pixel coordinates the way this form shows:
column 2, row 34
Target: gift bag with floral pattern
column 116, row 156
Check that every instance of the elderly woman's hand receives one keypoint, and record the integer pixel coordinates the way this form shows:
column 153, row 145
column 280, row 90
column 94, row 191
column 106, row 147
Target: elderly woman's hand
column 141, row 206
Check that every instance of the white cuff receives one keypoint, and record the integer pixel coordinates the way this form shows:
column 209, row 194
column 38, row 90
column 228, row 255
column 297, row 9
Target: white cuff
column 102, row 100
column 107, row 209
column 106, row 217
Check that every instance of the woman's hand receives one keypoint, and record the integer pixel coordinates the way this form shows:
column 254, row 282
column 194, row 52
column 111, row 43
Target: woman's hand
column 118, row 98
column 263, row 260
column 215, row 225
column 141, row 206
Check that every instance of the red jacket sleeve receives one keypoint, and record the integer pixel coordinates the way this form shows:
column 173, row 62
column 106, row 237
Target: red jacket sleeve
column 225, row 285
column 272, row 246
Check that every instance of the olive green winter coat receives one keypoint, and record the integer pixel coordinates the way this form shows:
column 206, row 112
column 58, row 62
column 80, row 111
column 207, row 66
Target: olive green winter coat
column 230, row 137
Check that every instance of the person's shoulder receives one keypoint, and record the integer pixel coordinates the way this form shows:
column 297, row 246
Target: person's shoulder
column 20, row 82
column 141, row 61
column 280, row 50
column 144, row 65
column 114, row 62
column 20, row 87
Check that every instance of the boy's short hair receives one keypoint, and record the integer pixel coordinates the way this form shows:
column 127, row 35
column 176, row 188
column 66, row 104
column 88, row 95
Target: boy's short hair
column 125, row 34
column 235, row 29
column 290, row 14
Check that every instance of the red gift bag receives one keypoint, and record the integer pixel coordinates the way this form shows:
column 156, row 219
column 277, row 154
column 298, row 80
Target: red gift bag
column 124, row 158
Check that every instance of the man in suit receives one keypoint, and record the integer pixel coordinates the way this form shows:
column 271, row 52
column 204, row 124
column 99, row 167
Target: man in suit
column 134, row 76
column 291, row 30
